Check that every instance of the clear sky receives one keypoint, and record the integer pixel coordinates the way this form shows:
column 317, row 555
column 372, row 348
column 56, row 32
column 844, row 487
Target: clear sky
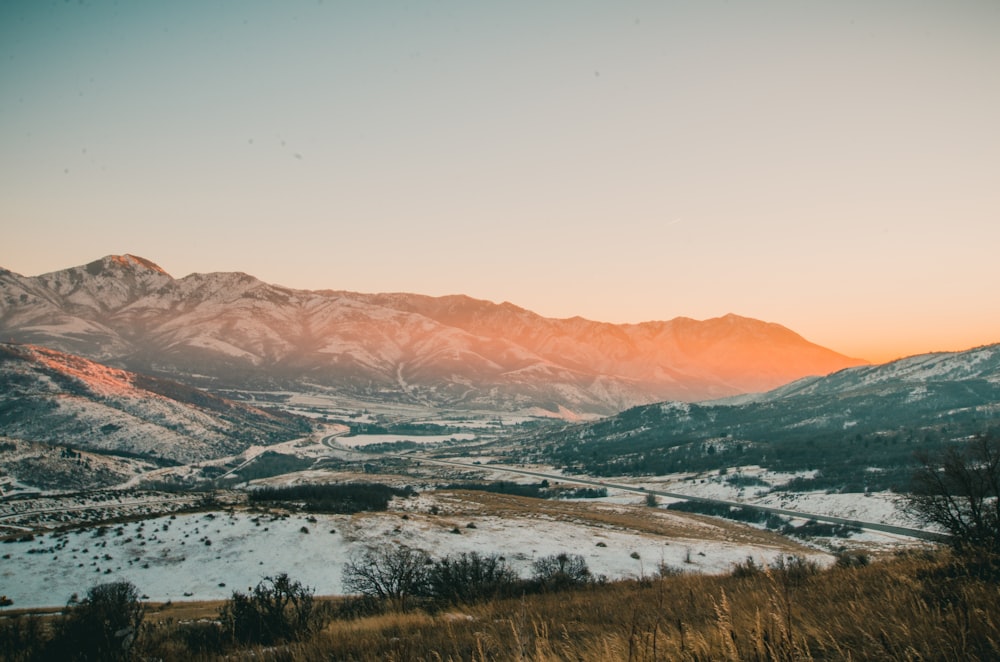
column 830, row 166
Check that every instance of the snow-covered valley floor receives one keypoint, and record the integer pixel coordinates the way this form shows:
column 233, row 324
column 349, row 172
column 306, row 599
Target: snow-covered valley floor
column 201, row 556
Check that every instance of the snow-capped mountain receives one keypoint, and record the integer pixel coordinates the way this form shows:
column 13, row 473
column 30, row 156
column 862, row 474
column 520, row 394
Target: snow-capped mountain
column 234, row 330
column 57, row 398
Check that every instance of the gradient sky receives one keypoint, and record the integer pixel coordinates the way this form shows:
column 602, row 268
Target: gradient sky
column 830, row 166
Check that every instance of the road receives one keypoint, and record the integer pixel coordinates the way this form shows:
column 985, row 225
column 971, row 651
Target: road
column 251, row 454
column 869, row 526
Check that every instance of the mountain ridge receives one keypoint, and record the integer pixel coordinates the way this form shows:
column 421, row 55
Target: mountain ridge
column 854, row 429
column 453, row 351
column 57, row 398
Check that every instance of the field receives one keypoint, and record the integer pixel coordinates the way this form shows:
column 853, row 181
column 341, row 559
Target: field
column 205, row 555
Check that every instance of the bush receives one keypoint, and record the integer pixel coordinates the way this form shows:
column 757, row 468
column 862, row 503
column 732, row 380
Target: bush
column 278, row 609
column 22, row 638
column 664, row 570
column 393, row 574
column 737, row 513
column 343, row 498
column 812, row 528
column 852, row 560
column 535, row 490
column 102, row 626
column 468, row 577
column 747, row 568
column 794, row 570
column 175, row 641
column 270, row 463
column 561, row 571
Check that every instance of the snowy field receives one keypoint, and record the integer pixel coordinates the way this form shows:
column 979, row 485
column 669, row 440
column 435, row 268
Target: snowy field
column 208, row 555
column 880, row 507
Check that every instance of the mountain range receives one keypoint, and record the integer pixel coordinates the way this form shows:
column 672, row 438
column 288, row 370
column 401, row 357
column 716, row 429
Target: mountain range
column 231, row 330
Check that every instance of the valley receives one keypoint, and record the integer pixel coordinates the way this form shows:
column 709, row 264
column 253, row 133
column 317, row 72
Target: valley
column 203, row 538
column 191, row 437
column 492, row 482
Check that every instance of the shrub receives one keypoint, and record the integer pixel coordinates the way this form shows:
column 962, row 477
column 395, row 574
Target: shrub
column 22, row 637
column 102, row 626
column 813, row 528
column 664, row 570
column 270, row 463
column 747, row 568
column 393, row 574
column 852, row 560
column 470, row 576
column 278, row 609
column 343, row 498
column 536, row 490
column 561, row 571
column 172, row 640
column 793, row 569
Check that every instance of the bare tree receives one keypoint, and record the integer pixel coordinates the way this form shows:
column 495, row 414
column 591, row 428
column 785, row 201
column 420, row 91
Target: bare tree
column 390, row 573
column 958, row 491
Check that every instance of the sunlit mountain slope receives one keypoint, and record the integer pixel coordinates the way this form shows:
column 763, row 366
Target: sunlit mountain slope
column 234, row 330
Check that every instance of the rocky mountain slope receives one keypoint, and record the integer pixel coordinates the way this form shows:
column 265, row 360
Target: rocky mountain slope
column 236, row 331
column 61, row 399
column 856, row 428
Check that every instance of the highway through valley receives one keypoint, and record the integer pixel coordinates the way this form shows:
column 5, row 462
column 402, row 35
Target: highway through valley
column 829, row 519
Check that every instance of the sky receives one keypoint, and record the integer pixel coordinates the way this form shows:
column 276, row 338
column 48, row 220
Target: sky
column 830, row 166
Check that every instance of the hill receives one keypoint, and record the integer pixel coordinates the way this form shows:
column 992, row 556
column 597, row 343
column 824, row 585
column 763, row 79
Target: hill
column 855, row 429
column 76, row 405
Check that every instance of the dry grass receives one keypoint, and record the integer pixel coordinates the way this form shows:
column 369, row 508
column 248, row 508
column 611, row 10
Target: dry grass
column 917, row 607
column 639, row 519
column 162, row 612
column 900, row 609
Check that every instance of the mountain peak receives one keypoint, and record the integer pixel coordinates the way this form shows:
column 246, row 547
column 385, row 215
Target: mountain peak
column 126, row 261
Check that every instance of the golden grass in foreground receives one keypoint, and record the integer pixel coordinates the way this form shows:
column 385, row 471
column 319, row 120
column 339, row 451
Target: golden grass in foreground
column 926, row 607
column 907, row 608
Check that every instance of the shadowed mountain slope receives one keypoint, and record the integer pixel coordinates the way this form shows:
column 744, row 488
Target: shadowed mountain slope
column 856, row 428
